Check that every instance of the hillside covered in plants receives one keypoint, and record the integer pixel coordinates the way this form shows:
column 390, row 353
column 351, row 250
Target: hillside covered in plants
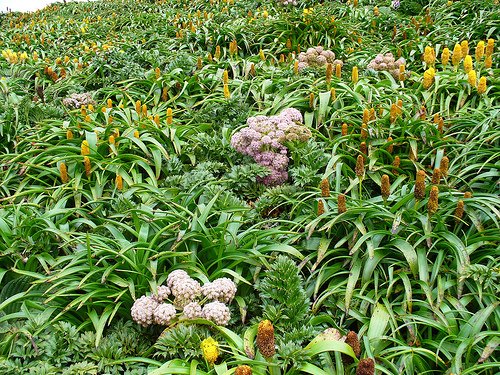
column 243, row 187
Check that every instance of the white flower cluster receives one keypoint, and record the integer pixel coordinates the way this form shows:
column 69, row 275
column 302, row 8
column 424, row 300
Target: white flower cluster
column 288, row 2
column 386, row 62
column 222, row 290
column 143, row 310
column 77, row 100
column 317, row 57
column 185, row 293
column 217, row 312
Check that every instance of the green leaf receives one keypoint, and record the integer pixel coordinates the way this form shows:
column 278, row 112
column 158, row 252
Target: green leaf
column 409, row 253
column 378, row 327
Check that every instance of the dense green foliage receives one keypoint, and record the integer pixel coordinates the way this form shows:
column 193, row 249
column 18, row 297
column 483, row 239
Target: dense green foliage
column 99, row 203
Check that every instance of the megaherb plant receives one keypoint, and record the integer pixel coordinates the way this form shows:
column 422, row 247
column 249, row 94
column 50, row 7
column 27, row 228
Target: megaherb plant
column 374, row 249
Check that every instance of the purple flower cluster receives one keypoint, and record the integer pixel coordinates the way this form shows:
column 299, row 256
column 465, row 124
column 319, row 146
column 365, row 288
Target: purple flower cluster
column 264, row 140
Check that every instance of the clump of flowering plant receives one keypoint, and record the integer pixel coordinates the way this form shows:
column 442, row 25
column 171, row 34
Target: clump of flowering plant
column 185, row 296
column 265, row 139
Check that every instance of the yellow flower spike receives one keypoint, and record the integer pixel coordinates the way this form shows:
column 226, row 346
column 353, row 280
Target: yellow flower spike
column 333, row 94
column 459, row 211
column 296, row 67
column 472, row 78
column 157, row 73
column 393, row 113
column 400, row 106
column 217, row 52
column 90, row 108
column 372, row 114
column 445, row 56
column 488, row 62
column 170, row 116
column 156, row 120
column 364, row 131
column 341, row 204
column 401, row 73
column 87, row 166
column 436, row 176
column 321, row 208
column 329, row 72
column 110, row 103
column 376, row 12
column 363, row 148
column 288, row 44
column 429, row 55
column 164, row 94
column 429, row 75
column 119, row 182
column 35, row 56
column 69, row 134
column 338, row 71
column 210, row 350
column 456, row 57
column 265, row 14
column 490, row 46
column 444, row 166
column 480, row 50
column 136, row 134
column 225, row 77
column 261, row 55
column 419, row 192
column 325, row 188
column 385, row 187
column 227, row 93
column 104, row 109
column 138, row 105
column 366, row 115
column 58, row 61
column 360, row 166
column 66, row 59
column 432, row 204
column 396, row 163
column 311, row 100
column 243, row 370
column 390, row 147
column 265, row 339
column 481, row 86
column 354, row 75
column 252, row 70
column 468, row 66
column 233, row 47
column 465, row 47
column 63, row 172
column 345, row 129
column 112, row 140
column 85, row 148
column 87, row 118
column 144, row 110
